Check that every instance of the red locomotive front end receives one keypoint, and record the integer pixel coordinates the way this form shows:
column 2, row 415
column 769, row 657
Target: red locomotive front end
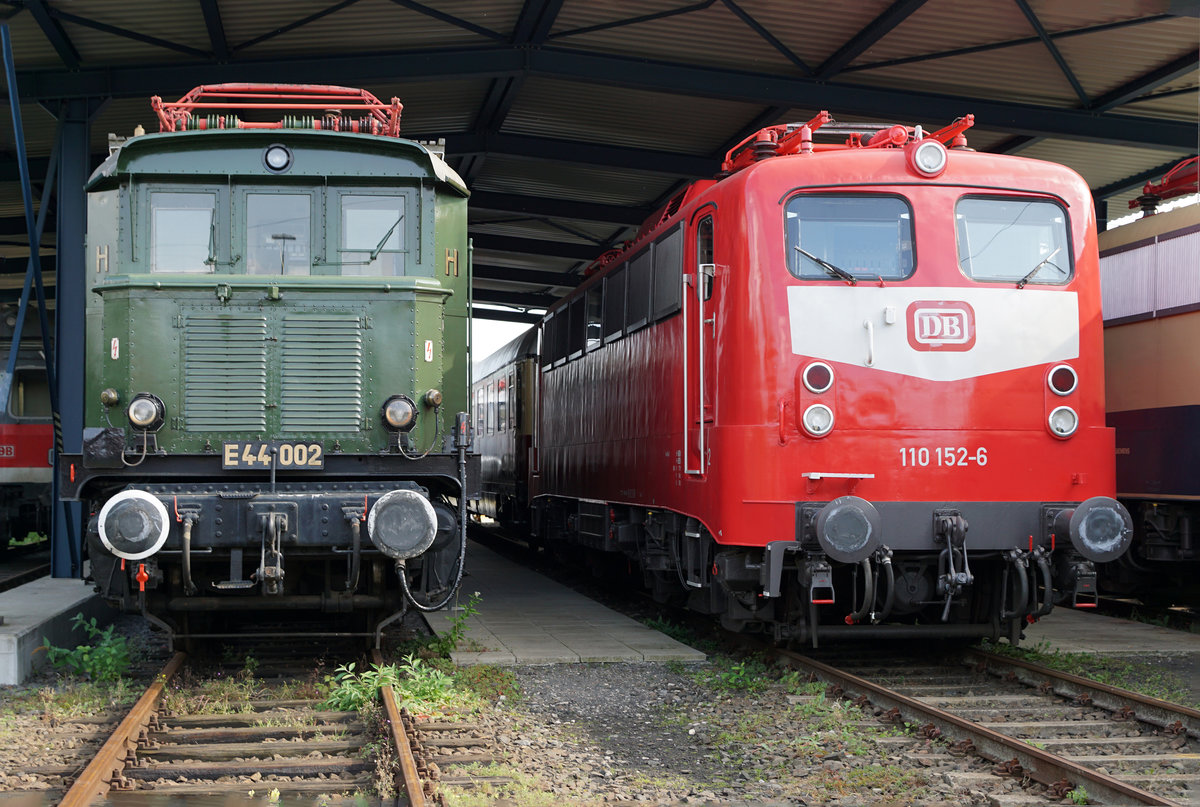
column 848, row 385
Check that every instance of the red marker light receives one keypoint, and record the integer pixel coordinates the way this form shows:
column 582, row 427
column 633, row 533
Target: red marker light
column 141, row 577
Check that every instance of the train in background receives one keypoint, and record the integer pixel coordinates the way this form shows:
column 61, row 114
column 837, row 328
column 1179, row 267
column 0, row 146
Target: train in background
column 852, row 387
column 276, row 412
column 26, row 433
column 504, row 421
column 1150, row 273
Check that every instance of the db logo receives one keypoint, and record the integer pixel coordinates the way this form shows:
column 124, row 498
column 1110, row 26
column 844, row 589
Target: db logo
column 941, row 325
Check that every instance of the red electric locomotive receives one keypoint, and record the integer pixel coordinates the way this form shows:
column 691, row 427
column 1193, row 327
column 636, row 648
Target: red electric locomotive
column 851, row 387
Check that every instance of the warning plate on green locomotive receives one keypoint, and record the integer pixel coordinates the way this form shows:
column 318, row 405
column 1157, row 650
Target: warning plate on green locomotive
column 247, row 456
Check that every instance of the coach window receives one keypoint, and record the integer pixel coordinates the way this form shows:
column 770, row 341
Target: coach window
column 278, row 233
column 501, row 405
column 849, row 237
column 614, row 305
column 373, row 239
column 480, row 411
column 514, row 403
column 668, row 273
column 183, row 234
column 1012, row 240
column 637, row 293
column 491, row 408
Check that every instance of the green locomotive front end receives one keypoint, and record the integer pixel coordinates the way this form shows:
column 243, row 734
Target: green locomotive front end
column 277, row 373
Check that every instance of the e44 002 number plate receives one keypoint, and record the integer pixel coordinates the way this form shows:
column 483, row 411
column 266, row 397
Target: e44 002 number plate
column 245, row 456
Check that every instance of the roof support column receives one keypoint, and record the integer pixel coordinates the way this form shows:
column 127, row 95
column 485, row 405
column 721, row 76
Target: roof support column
column 75, row 118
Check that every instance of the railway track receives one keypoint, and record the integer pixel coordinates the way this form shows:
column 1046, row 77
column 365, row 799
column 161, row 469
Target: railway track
column 1069, row 735
column 278, row 749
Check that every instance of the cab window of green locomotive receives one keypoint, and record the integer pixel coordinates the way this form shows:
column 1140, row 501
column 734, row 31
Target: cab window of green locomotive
column 866, row 237
column 373, row 235
column 1007, row 240
column 278, row 234
column 182, row 232
column 29, row 396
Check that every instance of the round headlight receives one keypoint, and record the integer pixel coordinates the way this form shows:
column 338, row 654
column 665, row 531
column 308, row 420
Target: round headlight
column 133, row 524
column 145, row 411
column 1063, row 380
column 818, row 420
column 402, row 524
column 818, row 377
column 1101, row 529
column 929, row 158
column 849, row 529
column 399, row 413
column 277, row 158
column 1063, row 421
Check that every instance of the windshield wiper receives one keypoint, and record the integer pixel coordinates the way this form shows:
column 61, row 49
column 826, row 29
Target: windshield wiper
column 379, row 247
column 1025, row 280
column 836, row 271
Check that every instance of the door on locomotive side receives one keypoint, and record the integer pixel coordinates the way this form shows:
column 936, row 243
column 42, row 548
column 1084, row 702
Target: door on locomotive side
column 700, row 299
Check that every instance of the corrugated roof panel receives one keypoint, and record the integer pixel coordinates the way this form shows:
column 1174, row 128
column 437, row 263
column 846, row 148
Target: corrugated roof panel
column 523, row 226
column 944, row 25
column 625, row 117
column 364, row 27
column 582, row 183
column 178, row 23
column 1101, row 164
column 1024, row 73
column 713, row 36
column 30, row 47
column 1107, row 61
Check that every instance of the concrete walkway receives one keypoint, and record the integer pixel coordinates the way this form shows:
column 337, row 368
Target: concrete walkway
column 39, row 610
column 526, row 618
column 1074, row 631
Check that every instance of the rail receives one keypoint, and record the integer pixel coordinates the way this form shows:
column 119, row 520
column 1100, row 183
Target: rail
column 107, row 766
column 1041, row 766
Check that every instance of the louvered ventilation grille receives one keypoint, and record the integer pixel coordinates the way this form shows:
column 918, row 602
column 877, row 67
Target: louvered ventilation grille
column 322, row 373
column 225, row 372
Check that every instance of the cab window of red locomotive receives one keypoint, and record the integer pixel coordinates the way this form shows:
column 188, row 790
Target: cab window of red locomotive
column 373, row 241
column 183, row 234
column 614, row 304
column 1002, row 240
column 278, row 233
column 869, row 236
column 704, row 250
column 29, row 396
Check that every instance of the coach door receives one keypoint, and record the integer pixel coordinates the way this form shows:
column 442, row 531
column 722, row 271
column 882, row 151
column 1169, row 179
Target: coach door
column 699, row 313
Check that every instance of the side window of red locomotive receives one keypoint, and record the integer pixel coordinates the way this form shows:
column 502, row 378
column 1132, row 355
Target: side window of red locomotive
column 637, row 292
column 867, row 236
column 668, row 274
column 614, row 305
column 595, row 314
column 1013, row 240
column 578, row 328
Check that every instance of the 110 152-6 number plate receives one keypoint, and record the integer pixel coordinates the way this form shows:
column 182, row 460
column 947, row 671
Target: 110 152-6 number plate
column 244, row 456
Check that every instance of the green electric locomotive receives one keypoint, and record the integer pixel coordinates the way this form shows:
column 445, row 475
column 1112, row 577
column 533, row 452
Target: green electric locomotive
column 277, row 372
